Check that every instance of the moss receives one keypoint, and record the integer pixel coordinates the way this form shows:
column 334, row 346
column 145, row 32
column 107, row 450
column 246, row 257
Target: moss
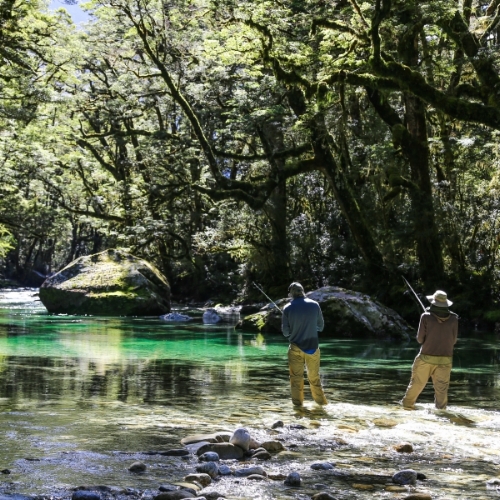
column 109, row 283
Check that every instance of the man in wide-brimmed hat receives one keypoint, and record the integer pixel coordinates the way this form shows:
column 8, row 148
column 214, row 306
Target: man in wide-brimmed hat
column 437, row 332
column 302, row 320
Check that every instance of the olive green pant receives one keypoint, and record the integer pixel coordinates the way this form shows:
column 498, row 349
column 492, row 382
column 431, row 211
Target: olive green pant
column 297, row 359
column 420, row 373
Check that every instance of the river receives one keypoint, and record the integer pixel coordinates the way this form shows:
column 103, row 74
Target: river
column 82, row 398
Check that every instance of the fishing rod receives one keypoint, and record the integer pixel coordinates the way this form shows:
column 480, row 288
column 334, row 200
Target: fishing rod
column 267, row 296
column 416, row 296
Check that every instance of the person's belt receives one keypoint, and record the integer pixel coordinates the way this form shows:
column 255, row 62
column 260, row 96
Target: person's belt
column 437, row 360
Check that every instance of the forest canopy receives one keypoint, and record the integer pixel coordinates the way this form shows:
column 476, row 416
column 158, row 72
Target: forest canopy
column 339, row 143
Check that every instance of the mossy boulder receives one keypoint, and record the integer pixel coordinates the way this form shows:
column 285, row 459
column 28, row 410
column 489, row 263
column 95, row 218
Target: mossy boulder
column 346, row 314
column 109, row 283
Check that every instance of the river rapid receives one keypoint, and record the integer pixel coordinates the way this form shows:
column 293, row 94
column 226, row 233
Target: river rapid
column 82, row 398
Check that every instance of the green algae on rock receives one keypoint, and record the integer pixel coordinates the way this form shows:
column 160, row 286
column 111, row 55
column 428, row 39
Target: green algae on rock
column 109, row 283
column 347, row 314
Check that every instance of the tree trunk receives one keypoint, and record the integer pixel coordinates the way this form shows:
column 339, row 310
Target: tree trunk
column 426, row 233
column 278, row 269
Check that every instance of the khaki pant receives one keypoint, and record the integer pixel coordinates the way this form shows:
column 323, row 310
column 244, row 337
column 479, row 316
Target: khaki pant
column 420, row 374
column 296, row 361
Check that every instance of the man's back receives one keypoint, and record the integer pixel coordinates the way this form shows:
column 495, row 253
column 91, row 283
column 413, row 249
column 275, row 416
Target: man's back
column 437, row 335
column 302, row 319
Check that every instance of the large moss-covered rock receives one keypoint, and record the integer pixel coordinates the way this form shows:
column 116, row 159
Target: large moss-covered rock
column 112, row 282
column 346, row 313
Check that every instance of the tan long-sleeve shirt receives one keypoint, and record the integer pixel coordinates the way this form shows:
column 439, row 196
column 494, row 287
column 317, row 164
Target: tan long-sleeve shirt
column 437, row 335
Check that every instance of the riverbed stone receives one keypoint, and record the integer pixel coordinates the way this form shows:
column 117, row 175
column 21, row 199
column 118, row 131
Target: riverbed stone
column 253, row 444
column 201, row 478
column 224, row 470
column 226, row 451
column 323, row 496
column 322, row 466
column 241, row 438
column 346, row 313
column 179, row 452
column 209, row 468
column 167, row 487
column 320, row 486
column 256, row 477
column 276, row 476
column 363, row 486
column 406, row 476
column 212, row 494
column 385, row 422
column 175, row 495
column 278, row 424
column 85, row 495
column 272, row 446
column 247, row 471
column 112, row 282
column 404, row 448
column 261, row 454
column 418, row 496
column 209, row 456
column 215, row 437
column 293, row 479
column 395, row 489
column 137, row 467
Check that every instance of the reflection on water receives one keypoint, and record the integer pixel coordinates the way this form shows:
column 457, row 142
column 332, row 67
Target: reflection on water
column 83, row 397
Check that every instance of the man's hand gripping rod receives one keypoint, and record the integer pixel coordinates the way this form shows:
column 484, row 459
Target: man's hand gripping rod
column 265, row 295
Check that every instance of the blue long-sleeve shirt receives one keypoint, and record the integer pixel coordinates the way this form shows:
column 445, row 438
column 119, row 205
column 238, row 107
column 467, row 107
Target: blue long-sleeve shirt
column 302, row 320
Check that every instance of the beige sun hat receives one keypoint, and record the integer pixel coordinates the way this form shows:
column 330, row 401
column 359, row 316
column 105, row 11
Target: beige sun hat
column 439, row 299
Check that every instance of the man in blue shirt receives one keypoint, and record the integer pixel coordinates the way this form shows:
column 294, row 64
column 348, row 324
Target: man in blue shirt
column 302, row 320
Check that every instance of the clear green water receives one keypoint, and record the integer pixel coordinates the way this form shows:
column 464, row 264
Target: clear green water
column 81, row 398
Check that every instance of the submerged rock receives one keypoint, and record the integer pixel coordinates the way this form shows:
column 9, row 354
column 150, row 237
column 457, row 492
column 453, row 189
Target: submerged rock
column 346, row 313
column 209, row 456
column 211, row 495
column 323, row 496
column 226, row 451
column 216, row 315
column 404, row 448
column 272, row 446
column 112, row 282
column 178, row 452
column 209, row 468
column 322, row 466
column 406, row 476
column 137, row 467
column 261, row 454
column 175, row 317
column 210, row 317
column 85, row 495
column 202, row 478
column 248, row 471
column 293, row 479
column 216, row 437
column 175, row 495
column 224, row 470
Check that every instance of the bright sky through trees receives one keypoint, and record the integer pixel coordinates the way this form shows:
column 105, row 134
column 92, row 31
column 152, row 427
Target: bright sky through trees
column 77, row 14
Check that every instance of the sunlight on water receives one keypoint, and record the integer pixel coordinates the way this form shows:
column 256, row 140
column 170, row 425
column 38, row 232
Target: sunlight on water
column 81, row 398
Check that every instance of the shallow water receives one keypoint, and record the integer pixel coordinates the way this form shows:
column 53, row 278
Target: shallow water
column 82, row 398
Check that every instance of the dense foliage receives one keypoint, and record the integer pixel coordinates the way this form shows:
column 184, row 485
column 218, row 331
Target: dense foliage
column 344, row 143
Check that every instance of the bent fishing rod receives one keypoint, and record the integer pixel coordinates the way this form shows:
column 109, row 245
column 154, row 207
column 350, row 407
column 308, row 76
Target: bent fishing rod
column 416, row 296
column 266, row 296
